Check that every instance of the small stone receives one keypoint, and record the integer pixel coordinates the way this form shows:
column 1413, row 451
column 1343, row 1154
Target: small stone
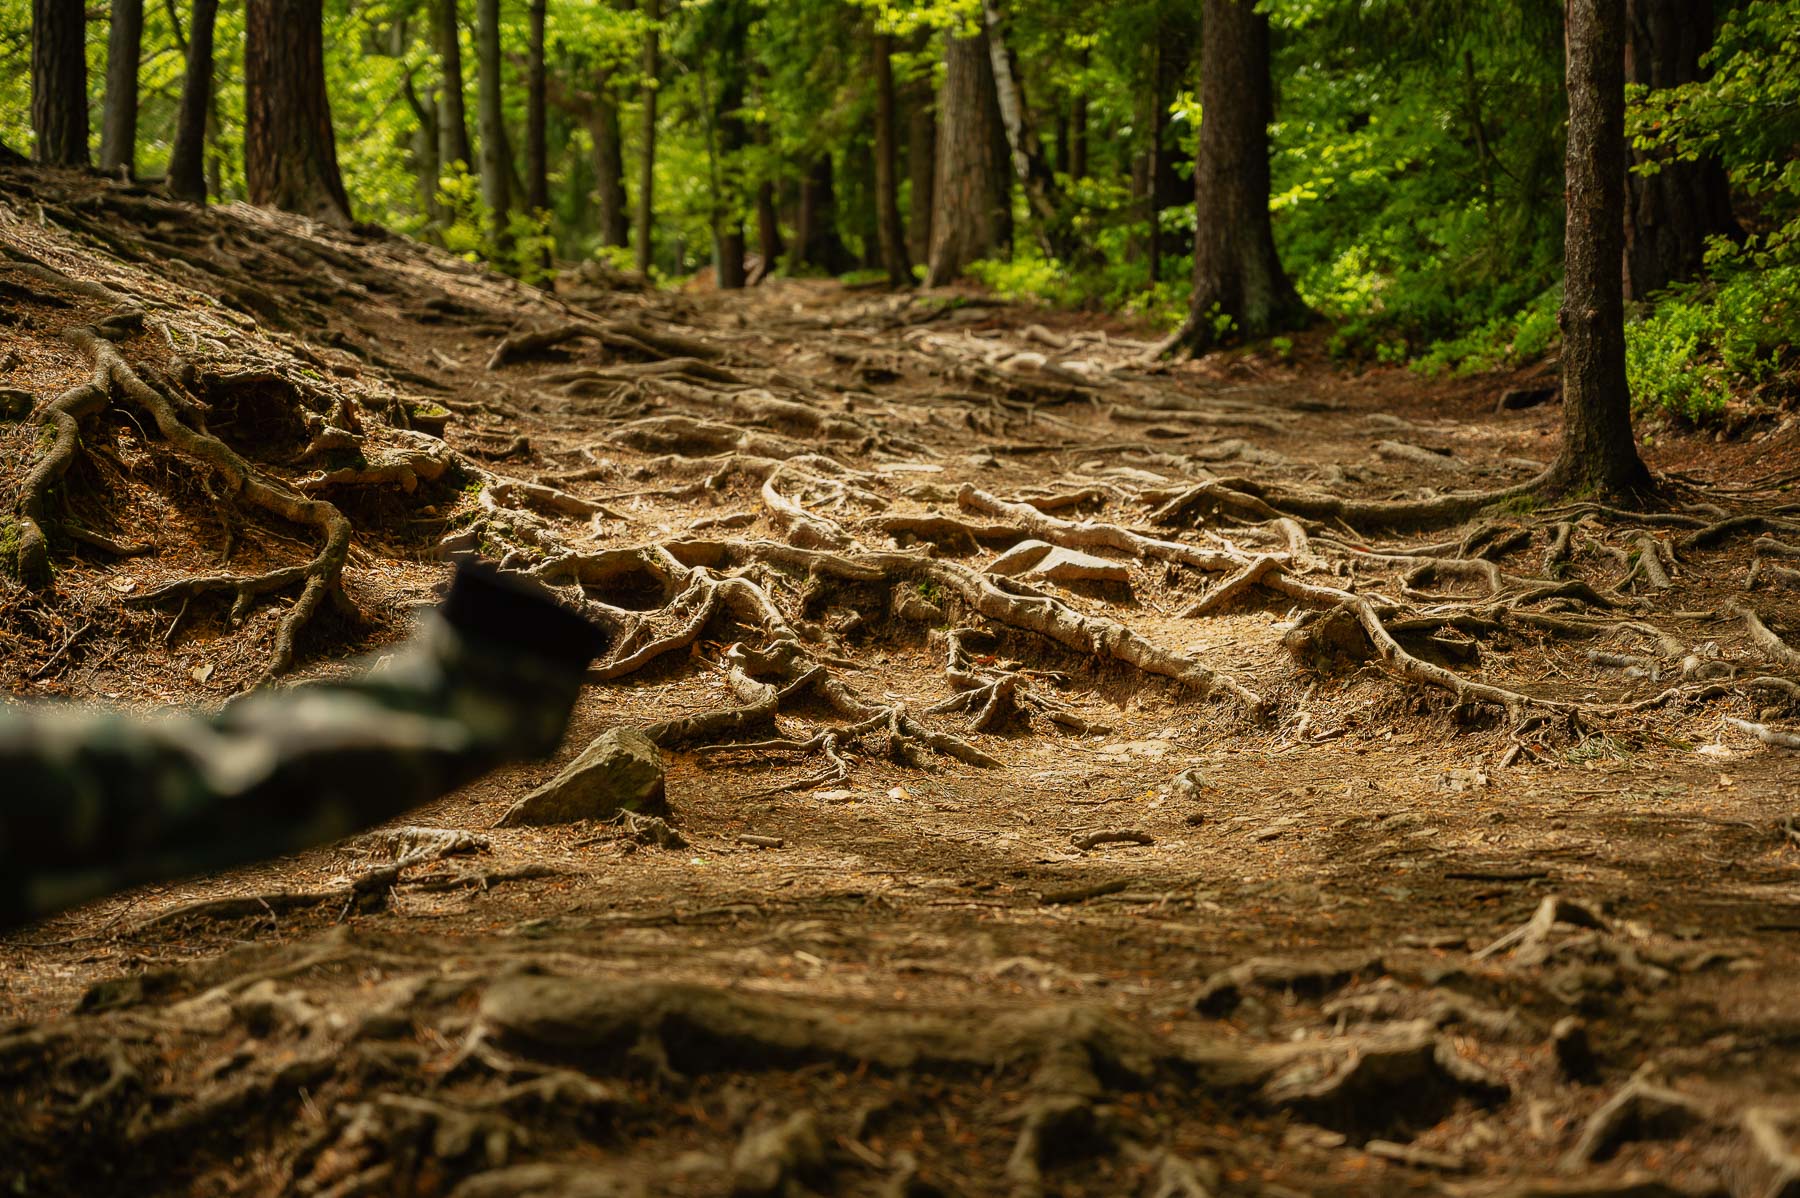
column 620, row 771
column 1459, row 781
column 1187, row 784
column 1039, row 559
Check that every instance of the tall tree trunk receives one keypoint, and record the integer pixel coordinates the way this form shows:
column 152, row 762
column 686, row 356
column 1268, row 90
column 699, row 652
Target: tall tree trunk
column 496, row 153
column 768, row 230
column 921, row 170
column 453, row 121
column 537, row 151
column 1153, row 163
column 646, row 197
column 1078, row 129
column 118, row 122
column 59, row 113
column 1670, row 215
column 819, row 243
column 1236, row 271
column 187, row 160
column 1025, row 151
column 887, row 169
column 1598, row 456
column 290, row 152
column 609, row 169
column 427, row 168
column 972, row 215
column 730, row 38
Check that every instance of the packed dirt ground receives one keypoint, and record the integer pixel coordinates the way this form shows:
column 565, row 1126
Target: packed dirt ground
column 1253, row 835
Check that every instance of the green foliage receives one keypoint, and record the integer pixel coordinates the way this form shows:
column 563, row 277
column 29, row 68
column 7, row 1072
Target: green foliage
column 1704, row 343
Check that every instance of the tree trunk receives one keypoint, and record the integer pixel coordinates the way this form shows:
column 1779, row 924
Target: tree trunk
column 187, row 160
column 537, row 153
column 609, row 169
column 1598, row 457
column 819, row 243
column 118, row 122
column 887, row 169
column 1237, row 274
column 1154, row 155
column 972, row 211
column 1025, row 151
column 1078, row 130
column 921, row 169
column 646, row 208
column 427, row 168
column 496, row 153
column 453, row 122
column 730, row 40
column 59, row 113
column 768, row 230
column 290, row 152
column 1670, row 215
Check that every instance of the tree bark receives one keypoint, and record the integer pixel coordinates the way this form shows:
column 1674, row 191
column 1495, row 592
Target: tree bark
column 187, row 159
column 730, row 41
column 891, row 228
column 1598, row 457
column 496, row 152
column 1025, row 150
column 1669, row 215
column 768, row 230
column 972, row 210
column 453, row 121
column 609, row 168
column 1078, row 130
column 646, row 207
column 290, row 152
column 921, row 170
column 118, row 122
column 818, row 242
column 1237, row 274
column 427, row 168
column 59, row 112
column 537, row 154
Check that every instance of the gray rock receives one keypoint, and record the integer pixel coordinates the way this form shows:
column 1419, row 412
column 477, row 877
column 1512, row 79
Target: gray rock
column 1039, row 559
column 620, row 771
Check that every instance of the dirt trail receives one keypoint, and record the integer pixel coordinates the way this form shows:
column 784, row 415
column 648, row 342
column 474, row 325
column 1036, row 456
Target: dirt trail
column 1455, row 861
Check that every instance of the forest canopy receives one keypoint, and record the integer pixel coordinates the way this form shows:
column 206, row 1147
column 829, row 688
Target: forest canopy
column 1415, row 155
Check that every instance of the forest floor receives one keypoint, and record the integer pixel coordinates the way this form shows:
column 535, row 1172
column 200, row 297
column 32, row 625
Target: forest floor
column 1459, row 860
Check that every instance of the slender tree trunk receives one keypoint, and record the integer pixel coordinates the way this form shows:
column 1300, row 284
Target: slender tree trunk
column 1237, row 274
column 290, row 152
column 1598, row 456
column 820, row 244
column 537, row 152
column 453, row 121
column 768, row 230
column 59, row 113
column 1078, row 130
column 118, row 123
column 609, row 170
column 425, row 142
column 1670, row 215
column 887, row 169
column 1153, row 163
column 921, row 169
column 496, row 153
column 1025, row 151
column 972, row 215
column 730, row 40
column 646, row 197
column 187, row 160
